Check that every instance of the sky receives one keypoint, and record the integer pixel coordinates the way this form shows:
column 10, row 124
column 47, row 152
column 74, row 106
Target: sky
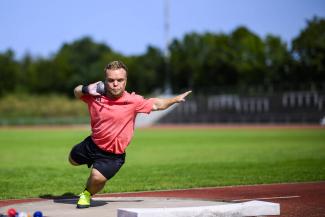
column 40, row 27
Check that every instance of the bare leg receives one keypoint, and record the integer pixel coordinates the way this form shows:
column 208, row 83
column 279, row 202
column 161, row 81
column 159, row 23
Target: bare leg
column 96, row 181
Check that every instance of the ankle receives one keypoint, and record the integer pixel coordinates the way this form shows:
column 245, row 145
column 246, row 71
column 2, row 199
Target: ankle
column 88, row 192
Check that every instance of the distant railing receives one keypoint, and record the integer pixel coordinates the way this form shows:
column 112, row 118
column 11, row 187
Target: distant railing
column 286, row 107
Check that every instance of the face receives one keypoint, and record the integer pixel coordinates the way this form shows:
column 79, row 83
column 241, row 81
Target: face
column 115, row 82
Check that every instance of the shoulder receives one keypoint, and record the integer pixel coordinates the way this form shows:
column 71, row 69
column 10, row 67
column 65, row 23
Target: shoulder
column 133, row 97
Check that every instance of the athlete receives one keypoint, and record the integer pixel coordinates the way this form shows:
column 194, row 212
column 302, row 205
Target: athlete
column 112, row 115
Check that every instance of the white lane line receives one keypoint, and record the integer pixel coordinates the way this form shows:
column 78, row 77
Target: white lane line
column 267, row 198
column 220, row 187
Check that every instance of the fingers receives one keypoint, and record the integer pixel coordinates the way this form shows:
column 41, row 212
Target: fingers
column 95, row 94
column 188, row 92
column 182, row 96
column 93, row 89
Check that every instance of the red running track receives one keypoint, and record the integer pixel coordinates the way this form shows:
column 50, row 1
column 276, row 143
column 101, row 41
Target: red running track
column 296, row 199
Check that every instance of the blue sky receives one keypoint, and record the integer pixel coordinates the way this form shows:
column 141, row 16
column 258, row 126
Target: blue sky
column 128, row 26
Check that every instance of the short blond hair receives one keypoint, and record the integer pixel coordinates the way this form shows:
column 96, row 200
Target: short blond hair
column 117, row 64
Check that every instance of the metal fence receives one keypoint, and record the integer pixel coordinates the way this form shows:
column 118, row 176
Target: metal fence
column 286, row 107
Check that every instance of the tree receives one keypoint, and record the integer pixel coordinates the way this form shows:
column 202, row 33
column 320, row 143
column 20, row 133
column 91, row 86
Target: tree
column 308, row 50
column 248, row 57
column 218, row 67
column 147, row 73
column 185, row 61
column 9, row 70
column 278, row 60
column 211, row 61
column 77, row 63
column 201, row 62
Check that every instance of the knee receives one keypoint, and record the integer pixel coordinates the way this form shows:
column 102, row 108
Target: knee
column 72, row 162
column 97, row 177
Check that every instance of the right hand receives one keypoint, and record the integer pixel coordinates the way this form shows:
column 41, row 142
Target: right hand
column 92, row 89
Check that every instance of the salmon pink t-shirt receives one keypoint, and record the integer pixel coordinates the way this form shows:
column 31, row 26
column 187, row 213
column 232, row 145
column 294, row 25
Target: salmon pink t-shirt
column 112, row 120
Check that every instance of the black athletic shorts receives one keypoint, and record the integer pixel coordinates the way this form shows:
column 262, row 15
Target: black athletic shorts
column 87, row 152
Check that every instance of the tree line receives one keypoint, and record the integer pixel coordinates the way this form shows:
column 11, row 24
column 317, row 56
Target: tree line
column 213, row 62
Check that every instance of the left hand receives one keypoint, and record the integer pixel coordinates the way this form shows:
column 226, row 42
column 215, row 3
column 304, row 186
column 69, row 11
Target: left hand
column 181, row 97
column 164, row 103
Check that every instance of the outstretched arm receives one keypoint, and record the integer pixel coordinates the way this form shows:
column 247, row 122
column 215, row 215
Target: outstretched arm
column 164, row 103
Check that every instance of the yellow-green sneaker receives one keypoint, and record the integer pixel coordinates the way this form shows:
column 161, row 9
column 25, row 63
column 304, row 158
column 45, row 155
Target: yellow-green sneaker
column 84, row 200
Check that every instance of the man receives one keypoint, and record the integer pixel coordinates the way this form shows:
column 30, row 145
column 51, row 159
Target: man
column 112, row 116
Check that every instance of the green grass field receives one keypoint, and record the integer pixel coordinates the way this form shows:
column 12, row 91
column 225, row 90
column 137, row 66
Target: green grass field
column 34, row 161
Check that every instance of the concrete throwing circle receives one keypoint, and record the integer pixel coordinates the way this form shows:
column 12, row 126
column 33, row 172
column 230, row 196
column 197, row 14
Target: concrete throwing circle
column 101, row 206
column 109, row 206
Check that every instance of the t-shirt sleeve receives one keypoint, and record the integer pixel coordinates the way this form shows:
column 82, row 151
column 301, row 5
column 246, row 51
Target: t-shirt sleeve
column 86, row 98
column 144, row 105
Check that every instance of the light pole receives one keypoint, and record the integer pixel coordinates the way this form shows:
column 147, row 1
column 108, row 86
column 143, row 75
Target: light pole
column 167, row 85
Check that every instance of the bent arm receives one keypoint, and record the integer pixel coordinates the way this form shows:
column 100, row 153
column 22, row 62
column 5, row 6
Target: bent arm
column 78, row 91
column 164, row 103
column 91, row 89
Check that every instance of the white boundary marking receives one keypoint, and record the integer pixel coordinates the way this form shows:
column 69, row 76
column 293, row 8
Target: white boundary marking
column 266, row 198
column 216, row 187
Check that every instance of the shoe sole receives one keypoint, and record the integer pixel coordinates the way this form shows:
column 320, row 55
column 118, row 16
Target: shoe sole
column 82, row 206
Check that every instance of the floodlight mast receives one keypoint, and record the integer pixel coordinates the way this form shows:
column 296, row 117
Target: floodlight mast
column 167, row 85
